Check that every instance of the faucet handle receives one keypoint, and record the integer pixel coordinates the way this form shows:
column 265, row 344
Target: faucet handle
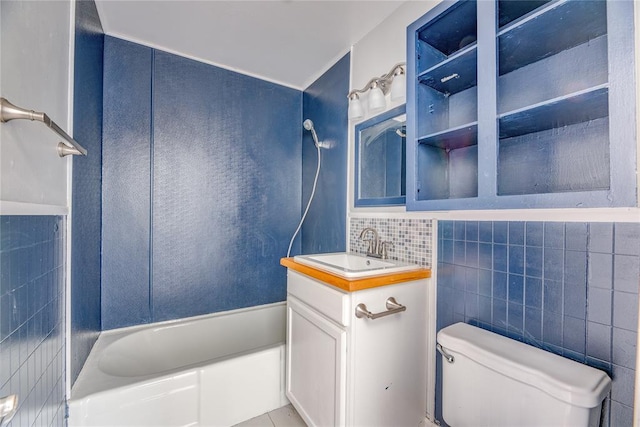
column 383, row 249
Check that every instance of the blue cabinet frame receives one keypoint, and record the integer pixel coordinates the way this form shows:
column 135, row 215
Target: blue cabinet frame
column 518, row 105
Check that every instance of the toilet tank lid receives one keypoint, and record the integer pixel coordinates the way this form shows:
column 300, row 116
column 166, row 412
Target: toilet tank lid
column 564, row 379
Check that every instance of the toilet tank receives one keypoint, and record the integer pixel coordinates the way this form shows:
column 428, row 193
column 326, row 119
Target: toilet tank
column 496, row 381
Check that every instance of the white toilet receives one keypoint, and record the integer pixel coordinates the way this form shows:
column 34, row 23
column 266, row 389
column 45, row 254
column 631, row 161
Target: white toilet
column 490, row 380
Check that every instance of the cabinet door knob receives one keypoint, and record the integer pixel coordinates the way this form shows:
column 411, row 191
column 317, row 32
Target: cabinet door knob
column 393, row 307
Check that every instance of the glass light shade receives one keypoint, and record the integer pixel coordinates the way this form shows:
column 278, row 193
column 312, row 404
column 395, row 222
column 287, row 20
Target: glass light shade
column 376, row 100
column 399, row 87
column 355, row 109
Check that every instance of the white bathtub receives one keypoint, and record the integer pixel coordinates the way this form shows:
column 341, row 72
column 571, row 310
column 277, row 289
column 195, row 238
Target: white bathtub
column 213, row 370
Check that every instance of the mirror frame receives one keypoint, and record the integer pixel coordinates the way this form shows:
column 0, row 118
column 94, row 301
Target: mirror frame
column 374, row 201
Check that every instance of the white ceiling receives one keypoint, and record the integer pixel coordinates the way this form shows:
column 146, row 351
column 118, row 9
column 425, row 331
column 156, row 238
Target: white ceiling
column 290, row 42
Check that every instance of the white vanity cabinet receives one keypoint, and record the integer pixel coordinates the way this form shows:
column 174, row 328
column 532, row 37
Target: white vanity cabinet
column 349, row 371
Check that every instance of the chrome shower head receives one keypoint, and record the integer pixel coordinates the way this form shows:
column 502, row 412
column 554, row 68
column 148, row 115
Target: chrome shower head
column 308, row 125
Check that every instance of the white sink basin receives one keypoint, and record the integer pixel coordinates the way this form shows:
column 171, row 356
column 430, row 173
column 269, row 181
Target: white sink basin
column 351, row 265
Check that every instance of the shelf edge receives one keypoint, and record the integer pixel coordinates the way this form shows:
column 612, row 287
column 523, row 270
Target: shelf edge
column 460, row 53
column 446, row 131
column 554, row 100
column 529, row 17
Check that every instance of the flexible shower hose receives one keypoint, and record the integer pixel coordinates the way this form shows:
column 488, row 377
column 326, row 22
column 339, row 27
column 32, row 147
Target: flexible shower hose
column 304, row 215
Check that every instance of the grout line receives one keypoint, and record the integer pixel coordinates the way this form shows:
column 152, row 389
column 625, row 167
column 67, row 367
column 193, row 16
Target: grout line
column 271, row 419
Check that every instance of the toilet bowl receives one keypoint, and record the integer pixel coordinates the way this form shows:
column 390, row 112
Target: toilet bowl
column 491, row 380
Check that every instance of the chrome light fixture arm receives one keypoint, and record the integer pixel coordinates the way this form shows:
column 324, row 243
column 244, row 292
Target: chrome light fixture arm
column 378, row 87
column 383, row 82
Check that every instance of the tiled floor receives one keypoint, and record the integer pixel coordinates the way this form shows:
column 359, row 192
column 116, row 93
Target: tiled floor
column 281, row 417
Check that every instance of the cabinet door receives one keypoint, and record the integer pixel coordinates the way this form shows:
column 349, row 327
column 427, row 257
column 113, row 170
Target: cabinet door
column 388, row 358
column 316, row 365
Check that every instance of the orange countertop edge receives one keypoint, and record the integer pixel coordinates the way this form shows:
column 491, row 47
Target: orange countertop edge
column 352, row 285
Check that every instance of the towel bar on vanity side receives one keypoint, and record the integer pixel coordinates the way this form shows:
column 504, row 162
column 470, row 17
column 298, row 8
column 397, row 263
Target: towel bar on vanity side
column 9, row 112
column 393, row 307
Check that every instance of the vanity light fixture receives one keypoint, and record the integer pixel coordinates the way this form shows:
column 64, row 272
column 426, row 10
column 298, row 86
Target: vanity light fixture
column 378, row 87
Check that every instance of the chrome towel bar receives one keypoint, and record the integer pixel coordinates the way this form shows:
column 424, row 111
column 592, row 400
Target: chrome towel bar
column 393, row 307
column 9, row 112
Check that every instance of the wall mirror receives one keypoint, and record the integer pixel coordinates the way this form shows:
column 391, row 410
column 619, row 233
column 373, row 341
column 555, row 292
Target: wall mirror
column 380, row 159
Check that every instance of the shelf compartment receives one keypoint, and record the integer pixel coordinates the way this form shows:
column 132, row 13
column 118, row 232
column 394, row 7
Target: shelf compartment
column 548, row 31
column 512, row 10
column 457, row 73
column 448, row 164
column 452, row 31
column 451, row 139
column 570, row 159
column 440, row 112
column 575, row 108
column 579, row 68
column 447, row 174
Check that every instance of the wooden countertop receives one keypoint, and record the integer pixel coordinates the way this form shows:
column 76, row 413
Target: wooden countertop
column 356, row 284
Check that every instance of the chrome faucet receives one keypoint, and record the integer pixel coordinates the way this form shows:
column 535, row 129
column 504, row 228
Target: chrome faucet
column 376, row 249
column 373, row 242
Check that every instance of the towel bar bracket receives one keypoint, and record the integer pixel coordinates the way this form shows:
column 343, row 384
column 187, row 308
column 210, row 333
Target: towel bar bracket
column 9, row 112
column 65, row 150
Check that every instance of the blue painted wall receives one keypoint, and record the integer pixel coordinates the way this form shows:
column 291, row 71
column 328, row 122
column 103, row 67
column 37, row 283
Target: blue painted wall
column 201, row 186
column 325, row 103
column 569, row 288
column 87, row 185
column 226, row 174
column 32, row 320
column 126, row 184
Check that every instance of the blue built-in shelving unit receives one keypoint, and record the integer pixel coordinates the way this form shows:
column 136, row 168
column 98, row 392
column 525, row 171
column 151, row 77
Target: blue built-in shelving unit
column 521, row 104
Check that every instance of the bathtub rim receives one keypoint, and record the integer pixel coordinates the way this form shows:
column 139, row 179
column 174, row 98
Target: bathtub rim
column 172, row 322
column 103, row 382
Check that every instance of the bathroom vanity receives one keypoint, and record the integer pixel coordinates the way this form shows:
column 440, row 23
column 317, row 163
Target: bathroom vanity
column 356, row 346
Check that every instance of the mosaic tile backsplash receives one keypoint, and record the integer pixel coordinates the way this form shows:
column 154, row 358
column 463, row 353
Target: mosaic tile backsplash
column 569, row 288
column 32, row 295
column 411, row 238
